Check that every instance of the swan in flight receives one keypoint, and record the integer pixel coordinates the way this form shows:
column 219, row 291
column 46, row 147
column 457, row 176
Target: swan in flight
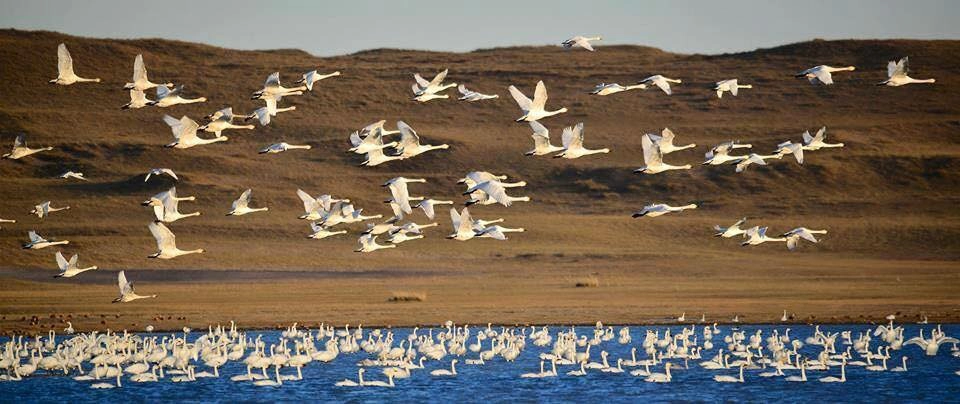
column 660, row 209
column 732, row 231
column 73, row 174
column 376, row 157
column 573, row 144
column 731, row 86
column 897, row 74
column 581, row 41
column 719, row 154
column 818, row 141
column 342, row 212
column 477, row 177
column 789, row 147
column 282, row 147
column 167, row 97
column 20, row 149
column 321, row 232
column 65, row 75
column 316, row 208
column 754, row 158
column 311, row 77
column 140, row 81
column 424, row 90
column 662, row 82
column 410, row 146
column 468, row 95
column 186, row 137
column 138, row 99
column 126, row 290
column 541, row 141
column 794, row 236
column 823, row 74
column 613, row 88
column 495, row 232
column 167, row 243
column 166, row 206
column 241, row 206
column 222, row 120
column 44, row 209
column 496, row 190
column 665, row 142
column 370, row 138
column 69, row 269
column 428, row 205
column 264, row 114
column 368, row 243
column 36, row 242
column 462, row 225
column 161, row 171
column 757, row 235
column 653, row 157
column 533, row 110
column 272, row 88
column 400, row 193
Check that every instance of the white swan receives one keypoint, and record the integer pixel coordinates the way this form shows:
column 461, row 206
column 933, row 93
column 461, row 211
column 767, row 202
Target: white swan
column 311, row 77
column 422, row 87
column 462, row 225
column 834, row 379
column 169, row 97
column 822, row 74
column 140, row 81
column 660, row 209
column 445, row 372
column 321, row 232
column 757, row 235
column 370, row 138
column 185, row 135
column 730, row 379
column 400, row 192
column 108, row 385
column 662, row 82
column 65, row 75
column 167, row 243
column 818, row 141
column 496, row 190
column 581, row 41
column 241, row 206
column 278, row 381
column 468, row 95
column 495, row 232
column 127, row 293
column 409, row 145
column 376, row 157
column 754, row 158
column 613, row 88
column 73, row 174
column 351, row 383
column 36, row 242
column 428, row 205
column 541, row 141
column 265, row 113
column 44, row 209
column 533, row 110
column 732, row 86
column 138, row 99
column 161, row 171
column 665, row 142
column 660, row 377
column 732, row 231
column 573, row 144
column 897, row 74
column 794, row 235
column 69, row 269
column 20, row 149
column 222, row 120
column 653, row 157
column 368, row 243
column 720, row 153
column 166, row 206
column 272, row 88
column 789, row 147
column 282, row 147
column 931, row 346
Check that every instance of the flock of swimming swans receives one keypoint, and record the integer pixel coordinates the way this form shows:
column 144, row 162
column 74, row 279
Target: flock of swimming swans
column 375, row 141
column 723, row 354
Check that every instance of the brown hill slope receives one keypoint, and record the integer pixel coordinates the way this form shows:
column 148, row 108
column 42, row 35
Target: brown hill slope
column 888, row 198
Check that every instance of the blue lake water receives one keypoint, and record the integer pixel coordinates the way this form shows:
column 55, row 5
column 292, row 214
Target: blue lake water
column 929, row 379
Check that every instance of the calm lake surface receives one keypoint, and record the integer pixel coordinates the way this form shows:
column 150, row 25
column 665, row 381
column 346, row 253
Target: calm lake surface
column 928, row 379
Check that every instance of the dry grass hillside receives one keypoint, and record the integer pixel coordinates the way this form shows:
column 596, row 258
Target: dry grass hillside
column 888, row 198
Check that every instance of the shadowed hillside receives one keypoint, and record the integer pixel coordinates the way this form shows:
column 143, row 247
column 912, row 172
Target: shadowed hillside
column 888, row 198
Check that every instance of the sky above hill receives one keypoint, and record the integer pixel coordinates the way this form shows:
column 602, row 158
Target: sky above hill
column 332, row 28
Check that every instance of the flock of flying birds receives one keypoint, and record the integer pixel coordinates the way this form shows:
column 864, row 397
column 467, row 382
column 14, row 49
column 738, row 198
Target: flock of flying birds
column 326, row 212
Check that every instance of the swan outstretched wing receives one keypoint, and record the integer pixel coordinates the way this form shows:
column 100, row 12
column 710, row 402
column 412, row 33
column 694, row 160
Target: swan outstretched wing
column 522, row 100
column 438, row 79
column 34, row 237
column 577, row 141
column 408, row 136
column 401, row 196
column 463, row 90
column 188, row 129
column 62, row 262
column 567, row 137
column 422, row 82
column 821, row 134
column 64, row 61
column 309, row 203
column 539, row 129
column 20, row 141
column 540, row 95
column 125, row 287
column 174, row 123
column 455, row 219
column 897, row 68
column 165, row 238
column 273, row 80
column 660, row 82
column 584, row 43
column 651, row 152
column 73, row 260
column 824, row 76
column 494, row 232
column 496, row 191
column 139, row 70
column 243, row 201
